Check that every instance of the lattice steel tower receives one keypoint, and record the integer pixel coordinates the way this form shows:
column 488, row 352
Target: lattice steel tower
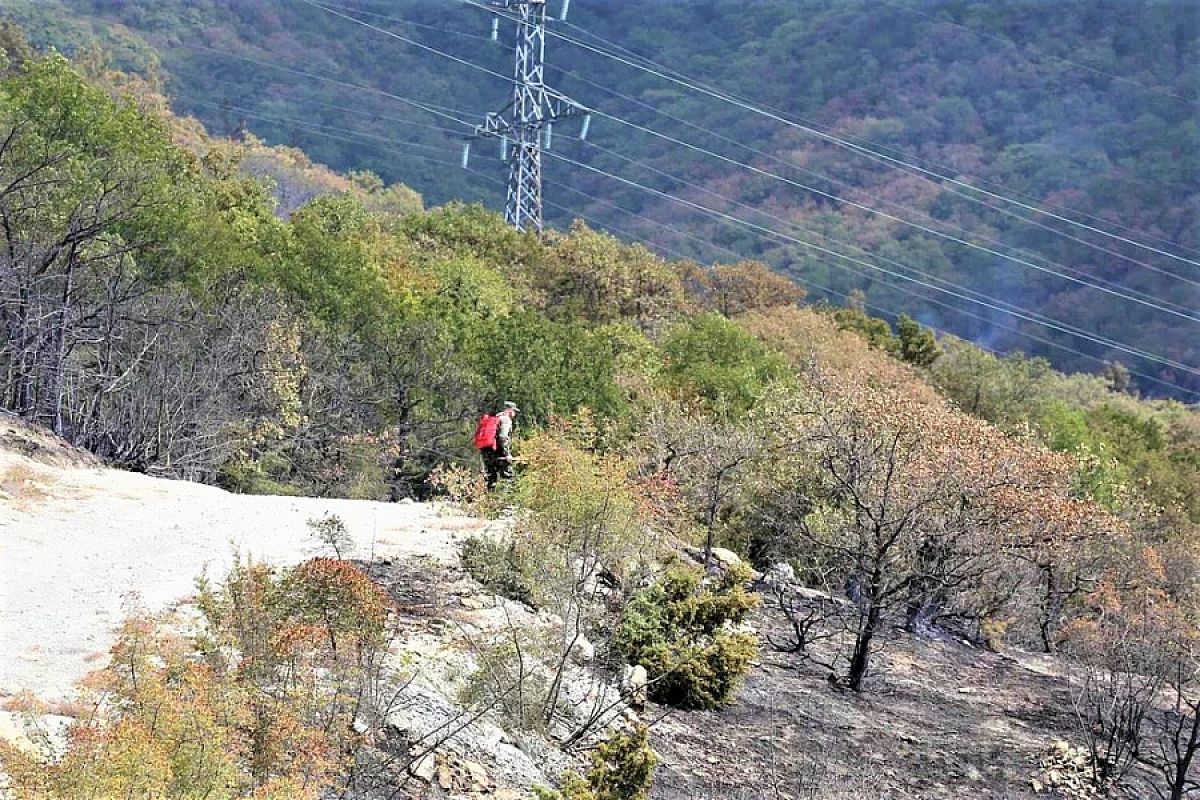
column 525, row 125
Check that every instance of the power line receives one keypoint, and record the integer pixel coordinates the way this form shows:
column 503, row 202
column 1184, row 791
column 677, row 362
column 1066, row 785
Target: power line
column 872, row 210
column 1024, row 262
column 770, row 232
column 859, row 149
column 430, row 108
column 521, row 160
column 924, row 298
column 1054, row 205
column 881, row 308
column 1117, row 225
column 1034, row 316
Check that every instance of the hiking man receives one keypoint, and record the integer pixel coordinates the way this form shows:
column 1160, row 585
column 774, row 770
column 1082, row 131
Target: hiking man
column 493, row 439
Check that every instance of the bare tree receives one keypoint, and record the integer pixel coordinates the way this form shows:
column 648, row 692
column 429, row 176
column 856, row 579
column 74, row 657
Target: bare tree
column 905, row 504
column 1175, row 732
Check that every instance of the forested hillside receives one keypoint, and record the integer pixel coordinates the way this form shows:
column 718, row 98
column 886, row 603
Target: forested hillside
column 1085, row 111
column 232, row 313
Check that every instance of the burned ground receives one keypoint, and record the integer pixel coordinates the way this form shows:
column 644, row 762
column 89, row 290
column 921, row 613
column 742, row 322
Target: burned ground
column 942, row 719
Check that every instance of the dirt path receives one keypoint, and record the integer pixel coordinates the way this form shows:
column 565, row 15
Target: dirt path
column 80, row 545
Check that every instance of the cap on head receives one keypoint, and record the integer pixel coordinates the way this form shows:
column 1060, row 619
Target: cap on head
column 509, row 404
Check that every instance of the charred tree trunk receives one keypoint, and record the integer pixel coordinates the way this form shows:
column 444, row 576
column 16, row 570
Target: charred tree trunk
column 62, row 345
column 861, row 660
column 1052, row 608
column 1181, row 784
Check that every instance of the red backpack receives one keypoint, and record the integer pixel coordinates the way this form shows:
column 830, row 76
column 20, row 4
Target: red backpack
column 485, row 432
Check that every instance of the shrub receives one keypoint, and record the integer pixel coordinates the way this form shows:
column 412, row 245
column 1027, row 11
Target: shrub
column 331, row 531
column 501, row 566
column 514, row 679
column 265, row 474
column 260, row 703
column 462, row 485
column 622, row 769
column 679, row 630
column 581, row 516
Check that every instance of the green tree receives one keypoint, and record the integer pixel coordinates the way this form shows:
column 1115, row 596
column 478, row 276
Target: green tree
column 718, row 362
column 550, row 367
column 917, row 345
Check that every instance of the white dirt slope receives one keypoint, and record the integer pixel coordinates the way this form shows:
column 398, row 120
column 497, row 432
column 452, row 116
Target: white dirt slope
column 81, row 545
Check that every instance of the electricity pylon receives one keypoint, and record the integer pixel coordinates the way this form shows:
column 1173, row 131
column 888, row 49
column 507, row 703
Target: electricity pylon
column 526, row 124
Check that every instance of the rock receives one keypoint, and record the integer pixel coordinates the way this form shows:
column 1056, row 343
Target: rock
column 406, row 501
column 721, row 557
column 360, row 727
column 583, row 651
column 726, row 558
column 1067, row 769
column 445, row 777
column 476, row 774
column 424, row 768
column 551, row 619
column 635, row 686
column 781, row 573
column 816, row 595
column 423, row 711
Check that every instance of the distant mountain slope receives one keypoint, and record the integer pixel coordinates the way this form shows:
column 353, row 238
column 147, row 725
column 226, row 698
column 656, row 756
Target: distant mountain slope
column 1082, row 109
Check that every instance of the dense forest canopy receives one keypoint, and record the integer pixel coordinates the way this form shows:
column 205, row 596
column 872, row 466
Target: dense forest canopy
column 1082, row 109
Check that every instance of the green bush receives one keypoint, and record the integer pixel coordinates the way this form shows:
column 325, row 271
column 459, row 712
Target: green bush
column 622, row 769
column 514, row 680
column 554, row 367
column 500, row 566
column 719, row 363
column 679, row 630
column 266, row 474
